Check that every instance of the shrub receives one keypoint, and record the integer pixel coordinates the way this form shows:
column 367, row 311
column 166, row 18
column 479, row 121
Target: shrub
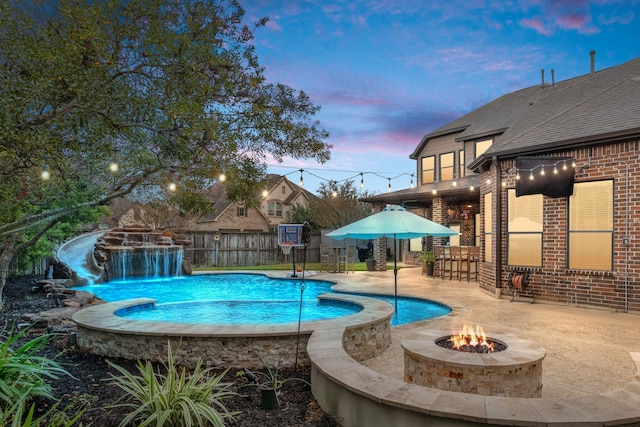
column 22, row 377
column 175, row 398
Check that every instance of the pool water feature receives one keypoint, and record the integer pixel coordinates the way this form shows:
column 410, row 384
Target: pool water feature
column 239, row 298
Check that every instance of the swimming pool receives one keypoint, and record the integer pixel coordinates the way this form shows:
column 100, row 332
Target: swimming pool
column 240, row 298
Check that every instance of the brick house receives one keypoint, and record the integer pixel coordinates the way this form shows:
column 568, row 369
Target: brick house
column 546, row 180
column 276, row 201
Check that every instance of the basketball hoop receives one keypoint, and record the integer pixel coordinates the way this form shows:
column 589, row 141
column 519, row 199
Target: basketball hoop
column 286, row 247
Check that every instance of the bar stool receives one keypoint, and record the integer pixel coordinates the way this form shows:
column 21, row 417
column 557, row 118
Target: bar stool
column 473, row 258
column 443, row 260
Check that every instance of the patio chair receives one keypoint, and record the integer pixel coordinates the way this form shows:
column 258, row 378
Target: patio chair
column 348, row 256
column 326, row 258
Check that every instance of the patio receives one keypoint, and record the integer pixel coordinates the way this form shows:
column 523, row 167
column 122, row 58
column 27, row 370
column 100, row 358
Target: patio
column 587, row 369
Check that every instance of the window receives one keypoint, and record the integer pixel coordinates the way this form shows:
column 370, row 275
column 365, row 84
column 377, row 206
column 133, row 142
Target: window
column 241, row 211
column 591, row 226
column 461, row 167
column 482, row 146
column 275, row 209
column 446, row 166
column 488, row 226
column 524, row 229
column 428, row 169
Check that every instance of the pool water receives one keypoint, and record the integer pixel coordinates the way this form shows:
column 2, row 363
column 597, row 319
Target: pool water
column 232, row 298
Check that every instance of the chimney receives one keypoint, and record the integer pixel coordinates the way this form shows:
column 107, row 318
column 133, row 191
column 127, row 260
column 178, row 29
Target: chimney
column 593, row 61
column 553, row 79
column 542, row 75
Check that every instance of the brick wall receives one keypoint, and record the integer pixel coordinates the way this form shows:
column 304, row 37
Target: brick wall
column 617, row 289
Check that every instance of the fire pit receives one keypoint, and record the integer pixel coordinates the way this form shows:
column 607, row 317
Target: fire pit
column 470, row 362
column 471, row 341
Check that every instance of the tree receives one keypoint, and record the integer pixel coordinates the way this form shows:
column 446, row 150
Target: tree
column 339, row 205
column 112, row 98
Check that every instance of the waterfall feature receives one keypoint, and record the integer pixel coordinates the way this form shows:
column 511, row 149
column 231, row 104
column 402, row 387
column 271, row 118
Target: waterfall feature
column 143, row 253
column 145, row 261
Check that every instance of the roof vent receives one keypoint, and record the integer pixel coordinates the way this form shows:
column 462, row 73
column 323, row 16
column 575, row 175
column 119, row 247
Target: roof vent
column 553, row 79
column 542, row 75
column 593, row 61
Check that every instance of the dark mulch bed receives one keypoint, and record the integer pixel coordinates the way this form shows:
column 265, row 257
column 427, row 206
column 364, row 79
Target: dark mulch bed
column 91, row 374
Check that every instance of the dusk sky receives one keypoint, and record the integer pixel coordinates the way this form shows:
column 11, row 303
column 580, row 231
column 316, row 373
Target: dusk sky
column 387, row 72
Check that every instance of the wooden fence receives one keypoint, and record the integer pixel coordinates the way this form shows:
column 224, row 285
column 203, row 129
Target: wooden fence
column 242, row 249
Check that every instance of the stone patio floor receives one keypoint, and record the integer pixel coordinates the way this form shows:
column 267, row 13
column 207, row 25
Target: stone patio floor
column 588, row 349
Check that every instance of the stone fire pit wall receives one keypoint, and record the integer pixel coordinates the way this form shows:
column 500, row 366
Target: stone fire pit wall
column 514, row 372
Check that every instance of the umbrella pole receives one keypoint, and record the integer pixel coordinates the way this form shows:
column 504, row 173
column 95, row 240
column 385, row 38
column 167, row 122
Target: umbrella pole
column 395, row 270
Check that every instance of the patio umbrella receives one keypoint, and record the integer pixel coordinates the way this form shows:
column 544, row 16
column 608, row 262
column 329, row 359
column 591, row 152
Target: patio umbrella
column 394, row 221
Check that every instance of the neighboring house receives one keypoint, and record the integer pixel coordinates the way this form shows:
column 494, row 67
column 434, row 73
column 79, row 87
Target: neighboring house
column 548, row 179
column 276, row 201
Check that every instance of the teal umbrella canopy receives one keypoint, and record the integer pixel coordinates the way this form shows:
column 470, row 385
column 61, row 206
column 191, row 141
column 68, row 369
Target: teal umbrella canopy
column 394, row 221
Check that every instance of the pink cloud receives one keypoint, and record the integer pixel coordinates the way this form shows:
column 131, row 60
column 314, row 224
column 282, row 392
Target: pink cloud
column 535, row 24
column 273, row 25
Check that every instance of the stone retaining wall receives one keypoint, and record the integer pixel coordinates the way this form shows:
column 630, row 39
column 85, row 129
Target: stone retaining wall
column 100, row 331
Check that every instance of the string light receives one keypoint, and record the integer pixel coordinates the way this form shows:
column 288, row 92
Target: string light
column 543, row 169
column 265, row 193
column 350, row 178
column 222, row 177
column 45, row 175
column 113, row 167
column 172, row 187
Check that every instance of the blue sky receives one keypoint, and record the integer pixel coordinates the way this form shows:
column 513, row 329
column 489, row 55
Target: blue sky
column 387, row 72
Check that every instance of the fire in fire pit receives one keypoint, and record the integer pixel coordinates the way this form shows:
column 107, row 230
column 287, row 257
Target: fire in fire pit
column 471, row 341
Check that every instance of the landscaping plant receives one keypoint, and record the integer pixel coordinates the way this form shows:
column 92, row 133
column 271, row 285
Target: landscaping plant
column 175, row 398
column 22, row 377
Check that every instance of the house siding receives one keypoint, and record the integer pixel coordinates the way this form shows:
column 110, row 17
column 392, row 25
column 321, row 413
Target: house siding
column 554, row 281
